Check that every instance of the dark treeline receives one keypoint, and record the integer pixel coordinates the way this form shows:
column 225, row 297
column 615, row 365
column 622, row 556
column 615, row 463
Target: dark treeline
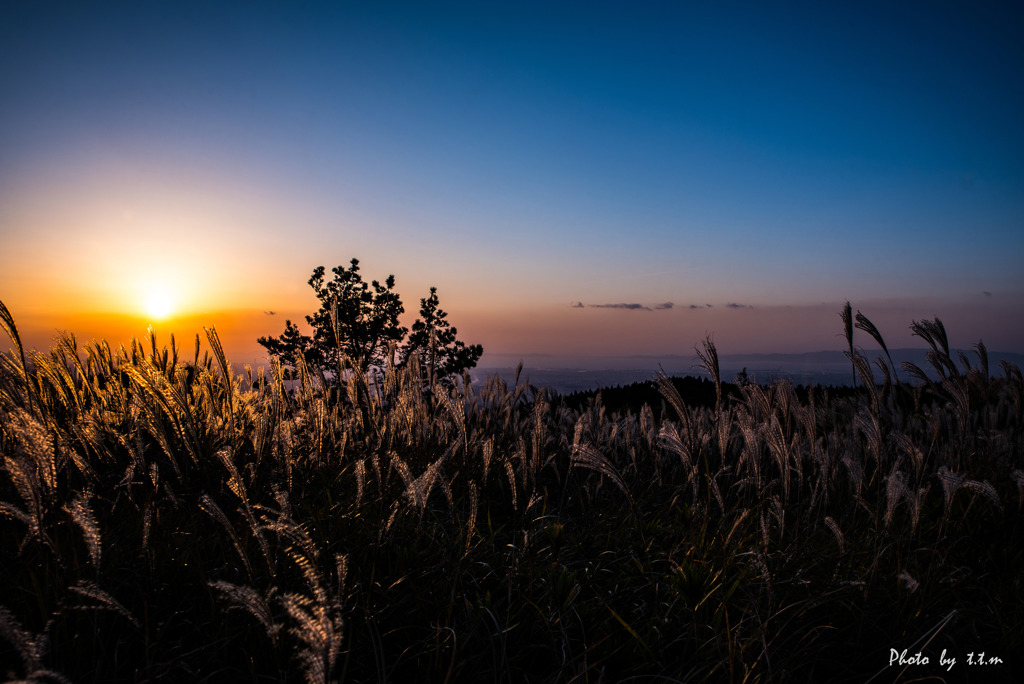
column 631, row 398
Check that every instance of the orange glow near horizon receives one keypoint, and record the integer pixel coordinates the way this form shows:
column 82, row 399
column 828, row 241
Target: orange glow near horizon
column 555, row 330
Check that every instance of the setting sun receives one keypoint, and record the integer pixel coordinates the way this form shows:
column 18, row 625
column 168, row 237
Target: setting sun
column 158, row 303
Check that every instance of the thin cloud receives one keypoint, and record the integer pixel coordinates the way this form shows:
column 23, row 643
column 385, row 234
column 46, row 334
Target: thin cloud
column 734, row 305
column 577, row 305
column 270, row 313
column 666, row 305
column 632, row 307
column 987, row 293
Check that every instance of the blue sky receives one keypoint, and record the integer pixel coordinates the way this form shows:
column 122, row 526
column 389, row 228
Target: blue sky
column 522, row 157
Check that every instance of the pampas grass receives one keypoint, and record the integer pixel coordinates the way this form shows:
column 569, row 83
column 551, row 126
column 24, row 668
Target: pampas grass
column 163, row 517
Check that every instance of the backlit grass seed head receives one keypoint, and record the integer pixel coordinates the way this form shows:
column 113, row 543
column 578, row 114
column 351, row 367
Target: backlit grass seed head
column 855, row 472
column 984, row 489
column 911, row 583
column 102, row 600
column 360, row 472
column 248, row 599
column 951, row 483
column 34, row 441
column 511, row 473
column 30, row 648
column 895, row 488
column 834, row 526
column 82, row 515
column 320, row 630
column 23, row 475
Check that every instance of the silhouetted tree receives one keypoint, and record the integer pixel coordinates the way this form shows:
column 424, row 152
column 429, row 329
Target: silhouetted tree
column 357, row 324
column 433, row 341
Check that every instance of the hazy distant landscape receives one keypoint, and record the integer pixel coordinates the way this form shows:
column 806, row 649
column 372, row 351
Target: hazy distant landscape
column 568, row 374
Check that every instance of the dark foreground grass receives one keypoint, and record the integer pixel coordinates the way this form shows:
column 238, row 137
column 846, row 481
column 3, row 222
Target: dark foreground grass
column 162, row 519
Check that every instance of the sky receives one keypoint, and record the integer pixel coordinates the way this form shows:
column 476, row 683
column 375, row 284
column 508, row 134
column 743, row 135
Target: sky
column 576, row 179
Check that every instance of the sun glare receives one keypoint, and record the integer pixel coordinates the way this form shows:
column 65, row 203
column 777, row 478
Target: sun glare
column 158, row 304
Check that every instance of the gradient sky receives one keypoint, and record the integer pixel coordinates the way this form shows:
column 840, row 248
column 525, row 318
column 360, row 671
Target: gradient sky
column 755, row 167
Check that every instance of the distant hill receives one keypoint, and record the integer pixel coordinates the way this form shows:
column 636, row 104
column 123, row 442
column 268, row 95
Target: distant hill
column 567, row 375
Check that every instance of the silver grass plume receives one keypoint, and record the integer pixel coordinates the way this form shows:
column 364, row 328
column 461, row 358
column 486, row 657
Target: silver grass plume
column 739, row 520
column 779, row 513
column 586, row 456
column 319, row 627
column 863, row 368
column 669, row 391
column 834, row 526
column 895, row 489
column 867, row 423
column 912, row 584
column 35, row 442
column 211, row 507
column 867, row 326
column 982, row 353
column 709, row 363
column 103, row 600
column 855, row 472
column 916, row 371
column 777, row 446
column 251, row 601
column 7, row 323
column 758, row 401
column 915, row 501
column 934, row 333
column 395, row 508
column 965, row 362
column 147, row 520
column 986, row 490
column 647, row 425
column 81, row 513
column 511, row 473
column 847, row 315
column 951, row 483
column 418, row 491
column 402, row 469
column 27, row 484
column 31, row 650
column 880, row 362
column 307, row 564
column 752, row 439
column 669, row 438
column 340, row 574
column 235, row 483
column 30, row 647
column 290, row 531
column 458, row 414
column 488, row 454
column 908, row 446
column 360, row 471
column 539, row 435
column 960, row 397
column 474, row 500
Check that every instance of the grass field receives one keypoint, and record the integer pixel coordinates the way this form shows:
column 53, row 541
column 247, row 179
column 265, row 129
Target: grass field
column 163, row 518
